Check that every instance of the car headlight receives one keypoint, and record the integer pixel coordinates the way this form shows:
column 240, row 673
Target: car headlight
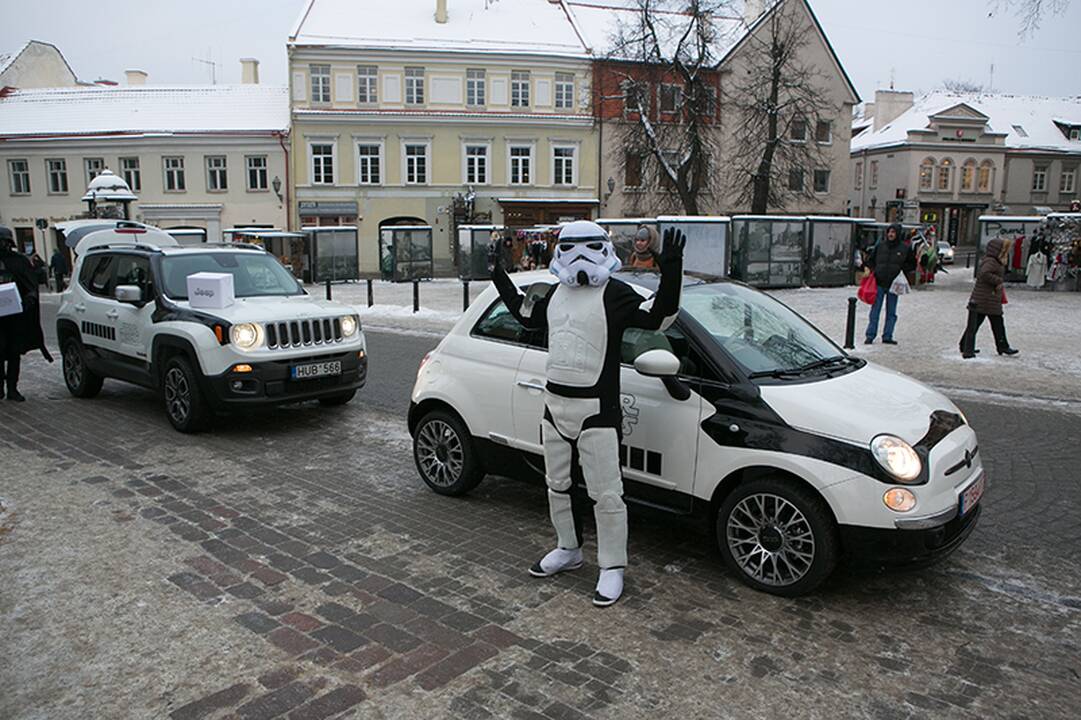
column 899, row 499
column 247, row 335
column 897, row 457
column 349, row 325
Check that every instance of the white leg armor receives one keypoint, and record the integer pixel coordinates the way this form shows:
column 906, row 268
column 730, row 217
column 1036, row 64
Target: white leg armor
column 557, row 463
column 598, row 450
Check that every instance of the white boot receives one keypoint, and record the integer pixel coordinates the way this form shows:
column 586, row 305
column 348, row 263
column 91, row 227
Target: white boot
column 609, row 587
column 557, row 561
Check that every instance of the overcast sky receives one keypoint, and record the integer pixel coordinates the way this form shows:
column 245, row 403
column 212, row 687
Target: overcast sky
column 919, row 43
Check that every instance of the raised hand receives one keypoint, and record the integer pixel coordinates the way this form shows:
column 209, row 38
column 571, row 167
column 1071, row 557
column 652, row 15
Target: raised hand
column 672, row 248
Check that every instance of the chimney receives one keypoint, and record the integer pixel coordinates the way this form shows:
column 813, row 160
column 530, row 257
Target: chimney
column 440, row 11
column 752, row 10
column 135, row 77
column 249, row 71
column 890, row 105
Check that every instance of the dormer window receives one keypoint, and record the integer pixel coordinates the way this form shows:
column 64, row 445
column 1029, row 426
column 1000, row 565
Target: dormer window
column 1070, row 128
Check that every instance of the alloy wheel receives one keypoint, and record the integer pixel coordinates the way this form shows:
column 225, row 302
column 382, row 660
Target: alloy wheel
column 770, row 539
column 440, row 452
column 73, row 366
column 177, row 394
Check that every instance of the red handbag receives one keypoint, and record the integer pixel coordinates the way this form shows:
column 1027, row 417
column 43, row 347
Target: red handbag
column 868, row 291
column 1004, row 300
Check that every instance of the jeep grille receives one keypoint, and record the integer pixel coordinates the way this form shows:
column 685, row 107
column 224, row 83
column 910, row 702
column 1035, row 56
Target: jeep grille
column 298, row 333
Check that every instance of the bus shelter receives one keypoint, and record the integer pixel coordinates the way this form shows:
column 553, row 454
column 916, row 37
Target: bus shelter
column 405, row 253
column 475, row 250
column 830, row 244
column 768, row 250
column 334, row 253
column 707, row 251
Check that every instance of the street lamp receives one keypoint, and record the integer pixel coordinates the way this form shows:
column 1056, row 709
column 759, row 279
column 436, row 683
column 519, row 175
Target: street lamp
column 611, row 185
column 276, row 183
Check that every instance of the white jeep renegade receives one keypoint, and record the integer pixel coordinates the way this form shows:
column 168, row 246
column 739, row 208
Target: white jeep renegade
column 126, row 316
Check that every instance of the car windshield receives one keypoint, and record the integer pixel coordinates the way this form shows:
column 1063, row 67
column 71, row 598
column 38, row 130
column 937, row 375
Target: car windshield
column 943, row 246
column 761, row 334
column 254, row 274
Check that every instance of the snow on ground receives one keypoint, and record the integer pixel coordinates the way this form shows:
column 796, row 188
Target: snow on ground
column 1043, row 325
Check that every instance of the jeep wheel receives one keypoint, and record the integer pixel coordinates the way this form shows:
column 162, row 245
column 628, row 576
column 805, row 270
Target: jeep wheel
column 184, row 403
column 444, row 454
column 777, row 536
column 81, row 381
column 339, row 399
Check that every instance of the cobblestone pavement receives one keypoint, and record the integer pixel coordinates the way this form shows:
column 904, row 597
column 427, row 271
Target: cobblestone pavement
column 291, row 564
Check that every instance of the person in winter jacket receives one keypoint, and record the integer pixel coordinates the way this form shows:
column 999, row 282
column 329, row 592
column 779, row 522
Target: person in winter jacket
column 986, row 300
column 644, row 256
column 59, row 265
column 19, row 333
column 889, row 258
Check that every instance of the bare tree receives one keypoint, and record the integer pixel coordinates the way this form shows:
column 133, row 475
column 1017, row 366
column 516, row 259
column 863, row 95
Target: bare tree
column 1030, row 12
column 774, row 101
column 963, row 87
column 662, row 66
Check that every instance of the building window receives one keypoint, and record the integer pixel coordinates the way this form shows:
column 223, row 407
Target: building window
column 927, row 171
column 985, row 176
column 564, row 91
column 874, row 174
column 521, row 165
column 798, row 131
column 1039, row 179
column 1067, row 182
column 858, row 182
column 174, row 174
column 563, row 165
column 945, row 175
column 968, row 176
column 320, row 75
column 824, row 132
column 367, row 84
column 632, row 170
column 57, row 170
column 322, row 163
column 416, row 164
column 19, row 174
column 216, row 175
column 519, row 88
column 475, row 88
column 369, row 163
column 670, row 97
column 476, row 164
column 795, row 180
column 93, row 167
column 256, row 166
column 822, row 181
column 129, row 166
column 414, row 86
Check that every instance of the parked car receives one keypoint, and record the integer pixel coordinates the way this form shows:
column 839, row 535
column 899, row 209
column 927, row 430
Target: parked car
column 793, row 454
column 127, row 316
column 945, row 253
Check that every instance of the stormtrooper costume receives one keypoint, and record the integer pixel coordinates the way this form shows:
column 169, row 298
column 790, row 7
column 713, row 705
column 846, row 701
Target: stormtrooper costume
column 585, row 315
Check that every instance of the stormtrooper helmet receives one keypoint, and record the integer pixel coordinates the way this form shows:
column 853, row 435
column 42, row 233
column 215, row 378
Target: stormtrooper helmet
column 584, row 255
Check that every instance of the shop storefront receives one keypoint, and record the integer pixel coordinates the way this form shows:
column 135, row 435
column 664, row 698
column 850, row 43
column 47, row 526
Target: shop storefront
column 317, row 213
column 530, row 212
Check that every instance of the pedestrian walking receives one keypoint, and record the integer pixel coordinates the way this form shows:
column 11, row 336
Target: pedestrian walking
column 59, row 265
column 890, row 259
column 19, row 332
column 986, row 300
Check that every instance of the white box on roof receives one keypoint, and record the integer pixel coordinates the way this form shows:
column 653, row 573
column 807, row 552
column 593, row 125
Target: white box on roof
column 210, row 290
column 10, row 301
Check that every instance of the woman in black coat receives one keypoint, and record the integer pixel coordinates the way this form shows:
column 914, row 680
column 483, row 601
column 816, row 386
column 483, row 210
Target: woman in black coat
column 19, row 333
column 986, row 300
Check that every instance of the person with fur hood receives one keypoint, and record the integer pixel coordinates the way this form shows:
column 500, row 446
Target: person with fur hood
column 987, row 299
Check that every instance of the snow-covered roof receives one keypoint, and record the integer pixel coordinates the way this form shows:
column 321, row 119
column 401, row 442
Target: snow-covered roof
column 481, row 26
column 144, row 110
column 1028, row 122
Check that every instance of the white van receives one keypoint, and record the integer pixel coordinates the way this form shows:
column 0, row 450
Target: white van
column 793, row 454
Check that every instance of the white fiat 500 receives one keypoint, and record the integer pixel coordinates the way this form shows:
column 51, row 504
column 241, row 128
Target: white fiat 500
column 742, row 414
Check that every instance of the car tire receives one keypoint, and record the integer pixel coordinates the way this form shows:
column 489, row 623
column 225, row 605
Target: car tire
column 444, row 454
column 81, row 381
column 184, row 403
column 777, row 536
column 339, row 399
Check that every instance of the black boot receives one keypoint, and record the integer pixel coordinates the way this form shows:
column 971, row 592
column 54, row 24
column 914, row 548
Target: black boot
column 15, row 396
column 1008, row 351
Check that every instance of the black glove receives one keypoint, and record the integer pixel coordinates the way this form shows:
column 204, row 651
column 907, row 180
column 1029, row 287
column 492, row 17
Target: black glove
column 671, row 257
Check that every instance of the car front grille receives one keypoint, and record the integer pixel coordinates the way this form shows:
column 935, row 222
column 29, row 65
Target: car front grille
column 300, row 333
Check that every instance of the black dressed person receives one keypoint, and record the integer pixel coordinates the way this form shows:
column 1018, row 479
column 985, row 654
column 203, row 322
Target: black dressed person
column 19, row 333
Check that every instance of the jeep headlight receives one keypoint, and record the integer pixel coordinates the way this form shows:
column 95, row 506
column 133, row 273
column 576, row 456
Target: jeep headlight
column 349, row 325
column 247, row 336
column 897, row 457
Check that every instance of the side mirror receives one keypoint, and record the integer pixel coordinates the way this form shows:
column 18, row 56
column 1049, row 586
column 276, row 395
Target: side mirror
column 129, row 294
column 657, row 363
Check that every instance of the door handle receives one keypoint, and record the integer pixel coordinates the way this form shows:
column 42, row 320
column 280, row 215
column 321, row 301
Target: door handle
column 530, row 385
column 114, row 314
column 80, row 308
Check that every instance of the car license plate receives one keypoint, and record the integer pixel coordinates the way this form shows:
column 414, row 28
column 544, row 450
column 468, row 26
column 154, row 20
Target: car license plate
column 315, row 370
column 972, row 494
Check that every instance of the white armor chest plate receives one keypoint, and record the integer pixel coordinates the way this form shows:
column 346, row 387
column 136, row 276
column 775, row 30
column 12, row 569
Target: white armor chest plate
column 577, row 335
